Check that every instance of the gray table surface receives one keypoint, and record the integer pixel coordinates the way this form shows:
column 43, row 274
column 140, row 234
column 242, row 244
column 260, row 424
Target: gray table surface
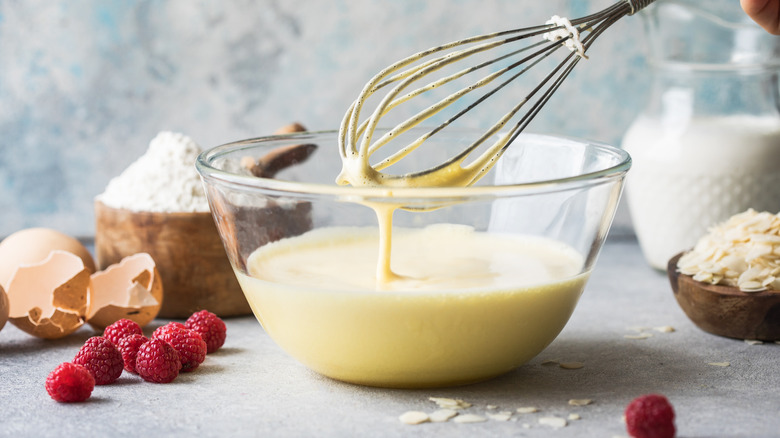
column 252, row 388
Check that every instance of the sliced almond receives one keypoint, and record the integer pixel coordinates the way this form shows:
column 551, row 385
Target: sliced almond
column 442, row 415
column 665, row 329
column 469, row 418
column 414, row 417
column 500, row 416
column 571, row 365
column 639, row 336
column 580, row 402
column 450, row 403
column 743, row 251
column 554, row 422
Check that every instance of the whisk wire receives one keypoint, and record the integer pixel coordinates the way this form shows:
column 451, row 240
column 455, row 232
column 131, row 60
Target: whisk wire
column 356, row 140
column 536, row 58
column 419, row 117
column 414, row 74
column 611, row 16
column 374, row 85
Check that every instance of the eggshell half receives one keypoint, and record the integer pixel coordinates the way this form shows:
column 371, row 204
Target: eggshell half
column 130, row 289
column 3, row 307
column 49, row 299
column 32, row 245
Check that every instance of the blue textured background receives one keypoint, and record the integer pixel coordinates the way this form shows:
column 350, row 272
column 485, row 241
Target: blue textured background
column 85, row 84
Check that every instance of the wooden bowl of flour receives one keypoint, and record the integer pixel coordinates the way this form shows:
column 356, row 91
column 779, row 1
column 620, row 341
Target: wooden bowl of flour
column 194, row 266
column 189, row 254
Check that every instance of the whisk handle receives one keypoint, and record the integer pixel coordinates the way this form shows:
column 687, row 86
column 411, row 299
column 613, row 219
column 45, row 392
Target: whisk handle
column 638, row 5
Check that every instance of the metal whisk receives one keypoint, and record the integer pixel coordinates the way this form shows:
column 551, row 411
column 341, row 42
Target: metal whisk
column 356, row 139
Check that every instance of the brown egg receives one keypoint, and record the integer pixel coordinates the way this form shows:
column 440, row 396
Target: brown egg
column 3, row 308
column 130, row 289
column 33, row 245
column 49, row 299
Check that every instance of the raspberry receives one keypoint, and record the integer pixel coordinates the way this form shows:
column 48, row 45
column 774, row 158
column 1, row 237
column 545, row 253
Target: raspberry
column 211, row 329
column 167, row 327
column 188, row 343
column 101, row 358
column 129, row 346
column 70, row 383
column 118, row 330
column 157, row 361
column 650, row 416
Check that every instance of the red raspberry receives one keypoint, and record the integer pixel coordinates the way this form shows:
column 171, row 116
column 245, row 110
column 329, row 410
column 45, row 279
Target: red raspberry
column 650, row 416
column 167, row 327
column 70, row 383
column 211, row 329
column 129, row 346
column 118, row 330
column 101, row 357
column 189, row 345
column 157, row 361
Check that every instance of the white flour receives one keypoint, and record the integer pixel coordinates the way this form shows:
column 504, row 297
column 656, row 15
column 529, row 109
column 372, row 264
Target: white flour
column 164, row 179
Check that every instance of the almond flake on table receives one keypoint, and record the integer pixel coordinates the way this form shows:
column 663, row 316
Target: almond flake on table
column 639, row 336
column 551, row 362
column 753, row 342
column 469, row 418
column 414, row 417
column 527, row 410
column 719, row 364
column 450, row 403
column 554, row 422
column 574, row 417
column 501, row 416
column 665, row 329
column 571, row 365
column 442, row 415
column 580, row 402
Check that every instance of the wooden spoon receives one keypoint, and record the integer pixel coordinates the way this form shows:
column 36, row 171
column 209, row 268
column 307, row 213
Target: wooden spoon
column 282, row 157
column 725, row 310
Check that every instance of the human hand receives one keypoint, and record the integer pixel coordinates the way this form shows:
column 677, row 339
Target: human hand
column 764, row 12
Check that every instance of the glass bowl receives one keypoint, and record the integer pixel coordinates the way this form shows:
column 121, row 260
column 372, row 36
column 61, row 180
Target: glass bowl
column 483, row 277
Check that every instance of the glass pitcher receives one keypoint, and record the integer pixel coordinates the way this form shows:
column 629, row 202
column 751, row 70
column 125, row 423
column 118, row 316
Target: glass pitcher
column 707, row 144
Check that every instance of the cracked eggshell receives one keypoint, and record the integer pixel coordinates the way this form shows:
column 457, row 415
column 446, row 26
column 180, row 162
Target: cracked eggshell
column 49, row 299
column 32, row 245
column 3, row 307
column 130, row 289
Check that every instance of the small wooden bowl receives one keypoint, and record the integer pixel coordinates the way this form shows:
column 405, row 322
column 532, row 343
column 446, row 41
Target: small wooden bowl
column 725, row 310
column 187, row 250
